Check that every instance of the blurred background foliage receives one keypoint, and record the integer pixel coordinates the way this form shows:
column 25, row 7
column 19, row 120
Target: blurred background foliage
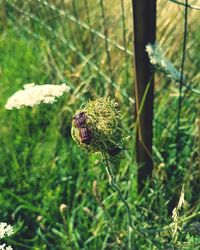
column 89, row 46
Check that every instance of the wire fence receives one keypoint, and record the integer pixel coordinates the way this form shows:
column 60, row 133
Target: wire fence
column 92, row 41
column 179, row 141
column 83, row 42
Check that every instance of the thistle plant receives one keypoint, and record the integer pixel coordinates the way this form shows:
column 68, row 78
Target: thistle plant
column 97, row 127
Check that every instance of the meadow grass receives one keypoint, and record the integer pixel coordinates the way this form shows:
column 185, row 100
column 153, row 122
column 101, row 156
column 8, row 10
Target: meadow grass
column 42, row 168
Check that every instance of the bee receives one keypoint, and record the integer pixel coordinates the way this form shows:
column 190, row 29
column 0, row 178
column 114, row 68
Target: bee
column 114, row 151
column 84, row 132
column 80, row 120
column 85, row 135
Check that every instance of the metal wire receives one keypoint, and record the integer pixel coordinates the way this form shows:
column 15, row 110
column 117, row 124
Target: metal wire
column 107, row 48
column 85, row 26
column 124, row 38
column 93, row 42
column 79, row 28
column 186, row 5
column 178, row 137
column 72, row 47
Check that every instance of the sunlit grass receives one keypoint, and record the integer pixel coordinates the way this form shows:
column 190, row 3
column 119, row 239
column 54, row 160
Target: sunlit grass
column 42, row 168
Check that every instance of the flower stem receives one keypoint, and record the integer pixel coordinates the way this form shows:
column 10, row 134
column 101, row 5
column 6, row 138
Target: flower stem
column 115, row 187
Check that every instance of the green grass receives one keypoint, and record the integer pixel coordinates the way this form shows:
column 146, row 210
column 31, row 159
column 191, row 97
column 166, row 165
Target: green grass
column 38, row 170
column 42, row 167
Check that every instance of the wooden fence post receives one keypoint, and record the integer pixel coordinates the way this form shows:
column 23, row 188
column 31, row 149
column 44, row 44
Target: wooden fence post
column 144, row 21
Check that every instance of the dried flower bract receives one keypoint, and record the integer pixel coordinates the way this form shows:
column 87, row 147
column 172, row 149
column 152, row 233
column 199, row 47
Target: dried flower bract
column 102, row 127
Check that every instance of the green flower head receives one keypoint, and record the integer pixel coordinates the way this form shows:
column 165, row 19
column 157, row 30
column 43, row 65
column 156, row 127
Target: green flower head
column 97, row 127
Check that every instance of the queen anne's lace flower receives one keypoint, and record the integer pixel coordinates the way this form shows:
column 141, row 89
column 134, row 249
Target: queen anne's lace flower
column 5, row 230
column 4, row 247
column 33, row 95
column 158, row 59
column 99, row 128
column 9, row 248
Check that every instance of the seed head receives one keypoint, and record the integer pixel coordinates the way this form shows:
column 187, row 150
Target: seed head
column 102, row 127
column 62, row 208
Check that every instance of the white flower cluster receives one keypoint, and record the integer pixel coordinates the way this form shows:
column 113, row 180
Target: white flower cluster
column 157, row 58
column 33, row 95
column 5, row 230
column 4, row 247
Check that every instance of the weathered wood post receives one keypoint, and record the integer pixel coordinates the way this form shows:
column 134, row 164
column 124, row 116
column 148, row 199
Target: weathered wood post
column 144, row 22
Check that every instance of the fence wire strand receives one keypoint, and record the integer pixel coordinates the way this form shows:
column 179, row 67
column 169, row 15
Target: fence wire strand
column 86, row 59
column 85, row 26
column 186, row 5
column 107, row 48
column 178, row 136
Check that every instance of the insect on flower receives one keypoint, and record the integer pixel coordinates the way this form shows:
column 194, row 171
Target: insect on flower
column 114, row 151
column 85, row 135
column 80, row 120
